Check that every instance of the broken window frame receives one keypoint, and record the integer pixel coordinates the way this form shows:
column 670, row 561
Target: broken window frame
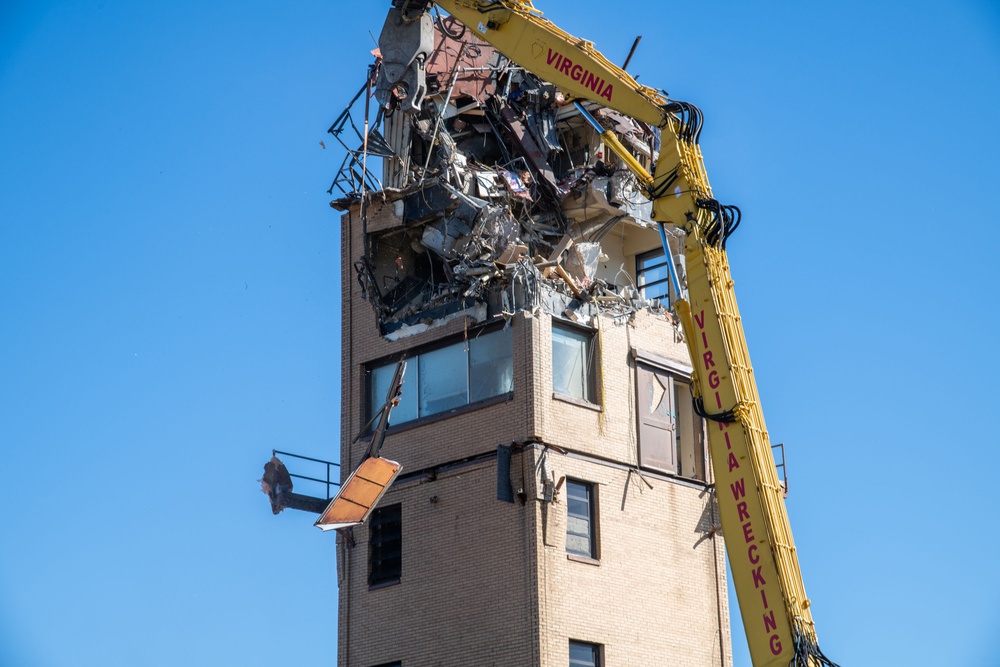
column 586, row 654
column 385, row 546
column 447, row 159
column 687, row 442
column 475, row 396
column 690, row 445
column 585, row 375
column 578, row 492
column 353, row 170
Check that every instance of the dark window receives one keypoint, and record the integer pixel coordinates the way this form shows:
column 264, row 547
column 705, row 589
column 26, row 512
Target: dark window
column 385, row 545
column 390, row 664
column 448, row 377
column 652, row 274
column 573, row 362
column 580, row 519
column 582, row 654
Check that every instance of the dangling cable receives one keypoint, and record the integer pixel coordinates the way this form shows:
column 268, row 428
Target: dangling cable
column 657, row 190
column 726, row 417
column 807, row 653
column 725, row 220
column 690, row 118
column 735, row 216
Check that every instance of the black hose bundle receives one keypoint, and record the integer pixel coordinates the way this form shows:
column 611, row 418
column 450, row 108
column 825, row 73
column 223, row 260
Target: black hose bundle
column 807, row 654
column 726, row 417
column 691, row 120
column 725, row 220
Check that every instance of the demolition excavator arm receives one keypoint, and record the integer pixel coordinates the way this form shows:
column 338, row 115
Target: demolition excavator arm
column 765, row 567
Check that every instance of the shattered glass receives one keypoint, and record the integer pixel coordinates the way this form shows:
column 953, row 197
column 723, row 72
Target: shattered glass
column 381, row 378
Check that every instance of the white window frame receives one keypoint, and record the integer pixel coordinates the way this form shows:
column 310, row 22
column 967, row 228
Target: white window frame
column 586, row 372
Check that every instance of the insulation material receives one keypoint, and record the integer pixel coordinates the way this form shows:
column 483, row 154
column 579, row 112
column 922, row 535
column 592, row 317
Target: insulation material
column 582, row 261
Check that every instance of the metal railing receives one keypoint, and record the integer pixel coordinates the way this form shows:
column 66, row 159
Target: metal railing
column 327, row 482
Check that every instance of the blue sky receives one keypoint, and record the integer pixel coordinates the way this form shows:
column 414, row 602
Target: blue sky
column 169, row 310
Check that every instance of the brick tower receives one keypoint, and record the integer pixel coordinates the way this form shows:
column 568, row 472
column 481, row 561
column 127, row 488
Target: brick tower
column 555, row 503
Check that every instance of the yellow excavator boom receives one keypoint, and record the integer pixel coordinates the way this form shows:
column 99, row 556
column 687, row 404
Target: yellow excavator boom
column 765, row 567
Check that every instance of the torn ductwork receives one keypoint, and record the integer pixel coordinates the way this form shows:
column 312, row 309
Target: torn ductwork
column 495, row 193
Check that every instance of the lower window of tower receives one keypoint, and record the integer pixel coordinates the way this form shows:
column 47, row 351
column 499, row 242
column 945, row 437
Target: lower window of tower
column 581, row 524
column 447, row 377
column 385, row 545
column 584, row 654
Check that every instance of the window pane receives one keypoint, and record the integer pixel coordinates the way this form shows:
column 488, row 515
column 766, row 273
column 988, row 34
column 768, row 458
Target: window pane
column 580, row 527
column 652, row 274
column 649, row 260
column 577, row 491
column 579, row 519
column 578, row 507
column 570, row 368
column 444, row 379
column 380, row 381
column 578, row 544
column 491, row 365
column 583, row 655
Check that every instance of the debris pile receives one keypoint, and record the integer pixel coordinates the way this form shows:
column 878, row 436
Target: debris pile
column 275, row 483
column 495, row 193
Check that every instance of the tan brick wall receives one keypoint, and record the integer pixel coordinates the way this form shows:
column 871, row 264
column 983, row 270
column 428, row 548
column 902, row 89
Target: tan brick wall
column 654, row 596
column 610, row 432
column 466, row 595
column 470, row 431
column 489, row 583
column 443, row 440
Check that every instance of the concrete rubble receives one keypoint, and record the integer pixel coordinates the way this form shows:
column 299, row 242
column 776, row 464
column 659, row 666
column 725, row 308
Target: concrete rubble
column 483, row 192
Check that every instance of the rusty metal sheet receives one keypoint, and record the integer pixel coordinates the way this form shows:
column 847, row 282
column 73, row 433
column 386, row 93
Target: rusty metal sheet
column 360, row 494
column 449, row 38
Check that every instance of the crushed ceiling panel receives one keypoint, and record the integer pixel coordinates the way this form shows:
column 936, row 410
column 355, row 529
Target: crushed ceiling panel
column 495, row 195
